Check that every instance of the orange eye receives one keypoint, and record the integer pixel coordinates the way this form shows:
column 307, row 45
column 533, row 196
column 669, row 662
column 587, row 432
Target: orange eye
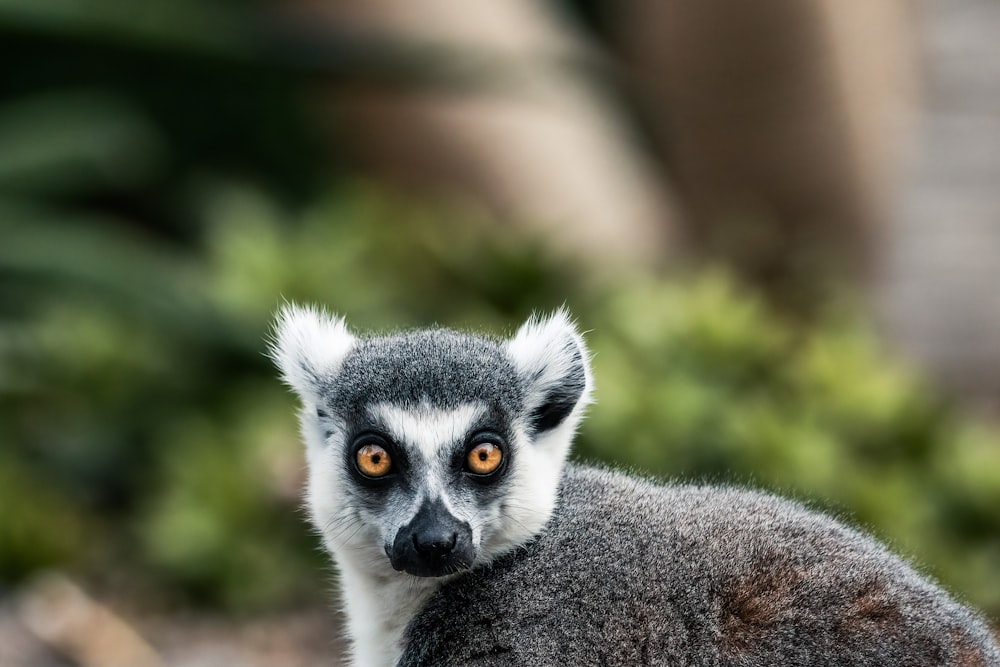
column 374, row 461
column 484, row 458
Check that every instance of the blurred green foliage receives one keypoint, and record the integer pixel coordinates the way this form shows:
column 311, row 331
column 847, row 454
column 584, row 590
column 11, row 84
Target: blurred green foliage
column 161, row 192
column 159, row 432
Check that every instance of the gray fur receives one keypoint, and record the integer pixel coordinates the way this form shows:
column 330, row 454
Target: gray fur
column 438, row 366
column 569, row 565
column 633, row 573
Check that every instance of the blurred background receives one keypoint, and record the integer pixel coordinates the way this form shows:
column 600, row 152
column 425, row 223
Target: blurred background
column 779, row 221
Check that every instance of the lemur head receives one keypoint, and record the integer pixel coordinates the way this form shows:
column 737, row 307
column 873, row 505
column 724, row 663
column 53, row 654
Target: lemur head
column 431, row 450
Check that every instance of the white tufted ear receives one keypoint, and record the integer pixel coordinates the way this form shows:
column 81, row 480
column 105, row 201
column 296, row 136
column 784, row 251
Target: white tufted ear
column 552, row 360
column 308, row 347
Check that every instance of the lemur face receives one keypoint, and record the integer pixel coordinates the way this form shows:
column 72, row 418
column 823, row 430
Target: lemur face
column 432, row 479
column 432, row 451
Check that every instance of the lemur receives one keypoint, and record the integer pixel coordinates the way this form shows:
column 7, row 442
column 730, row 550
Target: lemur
column 438, row 481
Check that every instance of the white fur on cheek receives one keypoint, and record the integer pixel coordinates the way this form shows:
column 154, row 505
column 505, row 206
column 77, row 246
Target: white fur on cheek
column 325, row 495
column 533, row 490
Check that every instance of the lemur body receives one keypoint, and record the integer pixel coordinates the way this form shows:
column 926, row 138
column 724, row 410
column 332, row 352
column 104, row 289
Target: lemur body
column 437, row 481
column 706, row 577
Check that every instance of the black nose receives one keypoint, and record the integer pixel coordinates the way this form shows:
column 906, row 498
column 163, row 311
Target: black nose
column 433, row 544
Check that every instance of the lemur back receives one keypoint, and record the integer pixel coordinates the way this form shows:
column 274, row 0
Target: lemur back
column 632, row 573
column 438, row 483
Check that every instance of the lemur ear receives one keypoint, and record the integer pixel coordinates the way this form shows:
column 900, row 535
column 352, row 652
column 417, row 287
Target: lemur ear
column 552, row 360
column 308, row 346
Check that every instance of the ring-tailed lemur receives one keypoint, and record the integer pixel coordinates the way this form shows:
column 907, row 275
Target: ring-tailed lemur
column 437, row 480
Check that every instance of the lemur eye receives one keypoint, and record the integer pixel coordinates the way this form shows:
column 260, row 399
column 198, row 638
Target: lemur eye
column 373, row 460
column 484, row 458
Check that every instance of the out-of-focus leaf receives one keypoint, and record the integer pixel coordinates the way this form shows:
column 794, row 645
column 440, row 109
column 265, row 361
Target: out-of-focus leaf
column 74, row 142
column 209, row 26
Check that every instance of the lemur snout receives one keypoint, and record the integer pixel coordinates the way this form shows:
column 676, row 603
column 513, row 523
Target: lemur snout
column 433, row 544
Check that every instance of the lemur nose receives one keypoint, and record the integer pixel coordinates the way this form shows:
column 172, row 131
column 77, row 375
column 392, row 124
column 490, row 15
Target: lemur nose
column 434, row 544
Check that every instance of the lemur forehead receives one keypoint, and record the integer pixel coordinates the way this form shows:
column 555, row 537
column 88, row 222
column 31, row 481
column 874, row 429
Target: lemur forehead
column 438, row 367
column 428, row 429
